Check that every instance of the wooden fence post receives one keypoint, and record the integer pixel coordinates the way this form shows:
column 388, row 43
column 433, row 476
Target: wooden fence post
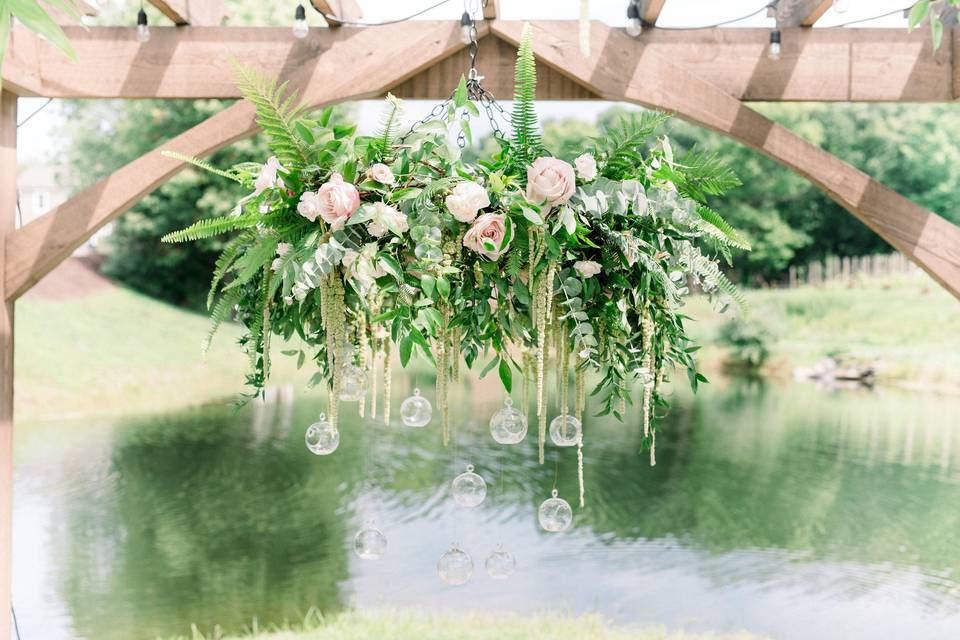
column 8, row 212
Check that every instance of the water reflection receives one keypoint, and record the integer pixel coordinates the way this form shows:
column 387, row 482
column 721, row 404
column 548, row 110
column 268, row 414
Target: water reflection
column 783, row 511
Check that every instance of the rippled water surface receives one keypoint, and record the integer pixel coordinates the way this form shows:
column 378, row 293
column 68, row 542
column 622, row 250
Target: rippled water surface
column 785, row 511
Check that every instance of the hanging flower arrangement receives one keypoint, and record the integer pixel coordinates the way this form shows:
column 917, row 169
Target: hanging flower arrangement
column 366, row 246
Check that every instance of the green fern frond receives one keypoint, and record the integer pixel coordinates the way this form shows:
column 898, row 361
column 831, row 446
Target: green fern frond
column 277, row 113
column 713, row 224
column 523, row 120
column 257, row 256
column 619, row 150
column 202, row 164
column 221, row 311
column 214, row 227
column 227, row 257
column 704, row 174
column 390, row 124
column 516, row 260
column 711, row 269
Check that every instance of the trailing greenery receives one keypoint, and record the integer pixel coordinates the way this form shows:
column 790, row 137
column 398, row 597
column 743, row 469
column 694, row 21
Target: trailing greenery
column 356, row 244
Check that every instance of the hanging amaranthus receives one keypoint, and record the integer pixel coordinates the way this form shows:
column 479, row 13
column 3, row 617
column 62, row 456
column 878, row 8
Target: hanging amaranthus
column 646, row 329
column 387, row 375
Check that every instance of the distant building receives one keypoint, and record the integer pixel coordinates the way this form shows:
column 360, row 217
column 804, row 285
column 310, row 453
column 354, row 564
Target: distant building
column 39, row 190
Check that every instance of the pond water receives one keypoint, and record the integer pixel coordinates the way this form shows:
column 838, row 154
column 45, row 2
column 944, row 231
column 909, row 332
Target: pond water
column 782, row 510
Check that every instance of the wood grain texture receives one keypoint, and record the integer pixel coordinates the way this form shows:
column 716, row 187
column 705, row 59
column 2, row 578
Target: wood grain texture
column 496, row 61
column 622, row 72
column 34, row 250
column 8, row 205
column 491, row 9
column 888, row 65
column 200, row 13
column 800, row 13
column 650, row 10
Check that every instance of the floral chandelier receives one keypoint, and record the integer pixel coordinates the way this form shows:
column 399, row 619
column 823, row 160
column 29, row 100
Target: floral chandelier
column 362, row 246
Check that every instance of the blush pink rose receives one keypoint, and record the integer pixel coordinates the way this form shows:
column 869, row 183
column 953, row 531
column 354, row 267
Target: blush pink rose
column 465, row 201
column 586, row 167
column 381, row 173
column 488, row 236
column 550, row 180
column 587, row 268
column 337, row 201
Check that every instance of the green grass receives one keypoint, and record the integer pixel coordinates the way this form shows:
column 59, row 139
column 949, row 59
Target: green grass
column 414, row 625
column 116, row 351
column 908, row 324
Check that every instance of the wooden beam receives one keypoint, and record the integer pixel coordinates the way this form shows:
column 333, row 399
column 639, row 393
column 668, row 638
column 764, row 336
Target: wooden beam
column 490, row 9
column 650, row 10
column 377, row 58
column 200, row 13
column 621, row 72
column 346, row 10
column 800, row 13
column 885, row 65
column 8, row 212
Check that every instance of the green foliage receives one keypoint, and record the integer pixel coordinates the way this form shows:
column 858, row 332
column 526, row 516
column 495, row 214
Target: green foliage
column 621, row 146
column 35, row 18
column 933, row 11
column 203, row 164
column 213, row 227
column 523, row 120
column 277, row 113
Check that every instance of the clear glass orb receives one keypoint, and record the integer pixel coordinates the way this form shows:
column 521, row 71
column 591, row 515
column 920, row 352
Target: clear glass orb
column 508, row 425
column 353, row 383
column 455, row 566
column 555, row 514
column 500, row 564
column 565, row 430
column 416, row 410
column 370, row 543
column 322, row 437
column 469, row 489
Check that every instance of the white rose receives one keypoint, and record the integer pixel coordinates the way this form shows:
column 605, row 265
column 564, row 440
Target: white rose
column 465, row 201
column 587, row 268
column 309, row 206
column 376, row 228
column 586, row 167
column 381, row 173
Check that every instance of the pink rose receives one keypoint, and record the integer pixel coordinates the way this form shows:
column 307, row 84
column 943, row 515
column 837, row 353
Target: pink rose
column 338, row 201
column 586, row 167
column 381, row 173
column 489, row 236
column 309, row 206
column 268, row 178
column 550, row 180
column 466, row 199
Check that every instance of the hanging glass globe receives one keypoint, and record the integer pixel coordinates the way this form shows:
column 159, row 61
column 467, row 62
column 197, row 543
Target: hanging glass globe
column 322, row 437
column 565, row 430
column 455, row 566
column 370, row 543
column 508, row 425
column 416, row 411
column 469, row 489
column 500, row 564
column 555, row 514
column 353, row 383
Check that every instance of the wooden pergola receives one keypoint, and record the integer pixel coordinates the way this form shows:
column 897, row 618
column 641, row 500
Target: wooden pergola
column 704, row 76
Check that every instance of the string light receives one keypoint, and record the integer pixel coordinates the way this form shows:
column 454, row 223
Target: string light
column 466, row 28
column 634, row 22
column 300, row 27
column 143, row 29
column 774, row 51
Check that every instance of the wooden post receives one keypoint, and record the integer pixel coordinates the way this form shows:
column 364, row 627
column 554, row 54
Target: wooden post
column 8, row 212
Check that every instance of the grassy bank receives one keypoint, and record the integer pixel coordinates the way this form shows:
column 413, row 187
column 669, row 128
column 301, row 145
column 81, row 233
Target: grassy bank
column 410, row 625
column 115, row 351
column 908, row 325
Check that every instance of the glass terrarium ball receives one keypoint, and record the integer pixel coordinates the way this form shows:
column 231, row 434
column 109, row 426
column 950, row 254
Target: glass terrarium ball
column 370, row 543
column 500, row 564
column 322, row 437
column 416, row 410
column 469, row 489
column 565, row 430
column 455, row 566
column 508, row 425
column 353, row 383
column 555, row 514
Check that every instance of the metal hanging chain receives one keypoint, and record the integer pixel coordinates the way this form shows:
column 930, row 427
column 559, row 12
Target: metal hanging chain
column 475, row 92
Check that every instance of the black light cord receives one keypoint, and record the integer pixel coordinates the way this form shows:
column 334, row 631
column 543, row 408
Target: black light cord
column 351, row 23
column 38, row 110
column 858, row 21
column 719, row 24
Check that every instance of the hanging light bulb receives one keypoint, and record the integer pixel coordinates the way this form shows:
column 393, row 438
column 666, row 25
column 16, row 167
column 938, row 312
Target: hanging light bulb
column 143, row 30
column 300, row 28
column 466, row 28
column 841, row 6
column 634, row 22
column 774, row 51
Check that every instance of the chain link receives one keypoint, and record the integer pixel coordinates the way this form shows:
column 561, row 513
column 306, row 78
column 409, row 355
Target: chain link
column 475, row 92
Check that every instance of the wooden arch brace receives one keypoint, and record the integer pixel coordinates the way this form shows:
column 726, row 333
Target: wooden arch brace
column 623, row 69
column 359, row 63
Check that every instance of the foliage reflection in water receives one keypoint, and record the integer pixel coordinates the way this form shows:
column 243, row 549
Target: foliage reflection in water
column 783, row 511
